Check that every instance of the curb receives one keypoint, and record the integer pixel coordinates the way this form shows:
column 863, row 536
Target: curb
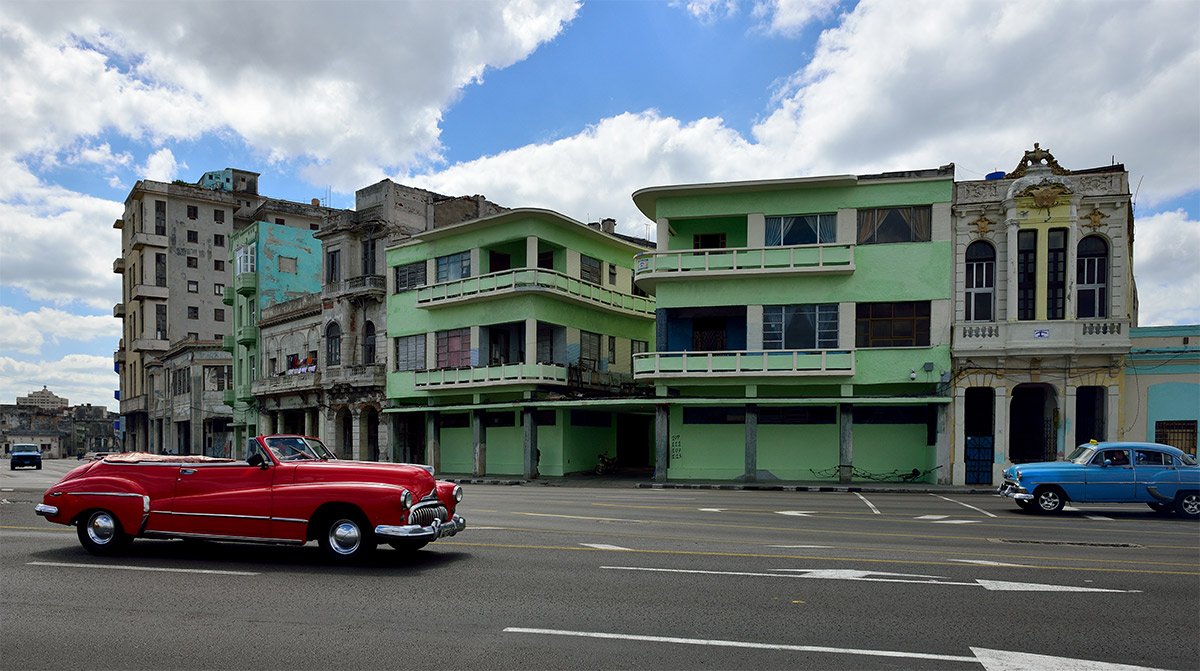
column 754, row 487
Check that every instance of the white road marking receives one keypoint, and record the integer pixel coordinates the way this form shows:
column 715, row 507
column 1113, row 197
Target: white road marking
column 869, row 504
column 1006, row 660
column 487, row 528
column 870, row 576
column 713, row 510
column 118, row 567
column 985, row 562
column 795, row 513
column 582, row 517
column 966, row 505
column 931, row 517
column 1099, row 517
column 957, row 521
column 802, row 547
column 603, row 546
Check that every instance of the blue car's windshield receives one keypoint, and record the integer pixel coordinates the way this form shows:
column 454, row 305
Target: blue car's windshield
column 1082, row 454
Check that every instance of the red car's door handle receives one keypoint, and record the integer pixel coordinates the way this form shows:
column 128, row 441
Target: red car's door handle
column 187, row 471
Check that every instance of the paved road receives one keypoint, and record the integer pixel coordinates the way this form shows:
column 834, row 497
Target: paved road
column 593, row 578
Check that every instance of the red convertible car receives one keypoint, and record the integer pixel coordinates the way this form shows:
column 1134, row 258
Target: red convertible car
column 289, row 490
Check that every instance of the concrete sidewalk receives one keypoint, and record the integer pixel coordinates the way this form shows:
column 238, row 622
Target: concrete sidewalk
column 640, row 481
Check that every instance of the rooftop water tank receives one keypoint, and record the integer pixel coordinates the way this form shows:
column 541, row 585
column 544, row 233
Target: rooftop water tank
column 994, row 175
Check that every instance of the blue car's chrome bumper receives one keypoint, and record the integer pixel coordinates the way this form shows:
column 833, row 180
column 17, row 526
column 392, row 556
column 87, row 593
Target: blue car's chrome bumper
column 1012, row 491
column 416, row 532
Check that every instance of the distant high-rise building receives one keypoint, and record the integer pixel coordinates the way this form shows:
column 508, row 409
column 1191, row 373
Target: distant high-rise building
column 43, row 399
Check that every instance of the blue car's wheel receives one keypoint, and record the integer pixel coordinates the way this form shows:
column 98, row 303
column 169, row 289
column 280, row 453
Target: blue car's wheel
column 1049, row 499
column 1187, row 504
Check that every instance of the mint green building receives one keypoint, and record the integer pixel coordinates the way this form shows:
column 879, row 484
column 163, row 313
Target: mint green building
column 272, row 263
column 512, row 341
column 802, row 326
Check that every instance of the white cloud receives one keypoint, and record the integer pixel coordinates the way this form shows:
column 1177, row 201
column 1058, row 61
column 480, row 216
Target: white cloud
column 161, row 166
column 101, row 155
column 789, row 17
column 27, row 332
column 79, row 378
column 1165, row 246
column 708, row 11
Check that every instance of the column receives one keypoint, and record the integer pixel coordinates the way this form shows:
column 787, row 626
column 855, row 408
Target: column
column 845, row 443
column 531, row 251
column 433, row 441
column 756, row 229
column 1012, row 226
column 1112, row 420
column 356, row 452
column 308, row 422
column 530, row 469
column 751, row 472
column 662, row 436
column 754, row 328
column 384, row 433
column 943, row 446
column 530, row 341
column 1000, row 431
column 1070, row 415
column 663, row 226
column 958, row 458
column 479, row 438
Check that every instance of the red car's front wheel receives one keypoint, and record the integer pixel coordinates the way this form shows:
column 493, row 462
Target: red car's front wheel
column 345, row 537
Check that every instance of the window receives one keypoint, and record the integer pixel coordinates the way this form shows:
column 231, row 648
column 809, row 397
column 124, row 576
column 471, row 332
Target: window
column 160, row 217
column 368, row 256
column 1026, row 275
column 713, row 415
column 892, row 324
column 589, row 269
column 591, row 418
column 279, row 220
column 1091, row 277
column 453, row 267
column 333, row 344
column 333, row 267
column 160, row 270
column 809, row 229
column 218, row 289
column 192, row 335
column 193, row 312
column 454, row 348
column 1151, row 458
column 246, row 258
column 193, row 236
column 218, row 240
column 218, row 265
column 1179, row 433
column 219, row 314
column 637, row 347
column 612, row 274
column 192, row 212
column 612, row 349
column 708, row 241
column 797, row 414
column 800, row 326
column 410, row 352
column 589, row 350
column 894, row 224
column 1056, row 273
column 193, row 287
column 980, row 282
column 314, row 227
column 409, row 276
column 181, row 382
column 218, row 378
column 193, row 262
column 287, row 264
column 219, row 216
column 160, row 321
column 368, row 344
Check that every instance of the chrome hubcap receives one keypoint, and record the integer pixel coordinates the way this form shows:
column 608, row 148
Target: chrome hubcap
column 1190, row 504
column 101, row 528
column 344, row 537
column 1048, row 500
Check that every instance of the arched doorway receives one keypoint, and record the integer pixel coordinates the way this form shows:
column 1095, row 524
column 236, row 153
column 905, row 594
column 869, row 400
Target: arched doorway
column 1033, row 424
column 369, row 430
column 345, row 434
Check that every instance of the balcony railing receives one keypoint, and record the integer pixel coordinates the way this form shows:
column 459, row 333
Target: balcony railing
column 119, row 310
column 151, row 344
column 491, row 376
column 246, row 335
column 371, row 286
column 228, row 343
column 144, row 239
column 228, row 397
column 755, row 363
column 119, row 265
column 228, row 296
column 142, row 291
column 287, row 383
column 824, row 258
column 245, row 284
column 1047, row 337
column 531, row 279
column 357, row 375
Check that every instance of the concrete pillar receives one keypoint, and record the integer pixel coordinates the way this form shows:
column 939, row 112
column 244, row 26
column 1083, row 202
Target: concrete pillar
column 1011, row 280
column 751, row 473
column 756, row 229
column 754, row 327
column 476, row 264
column 845, row 443
column 664, row 233
column 308, row 422
column 958, row 454
column 531, row 326
column 479, row 353
column 1069, row 414
column 433, row 441
column 531, row 251
column 1112, row 420
column 479, row 438
column 530, row 469
column 662, row 437
column 356, row 435
column 942, row 443
column 1000, row 430
column 384, row 433
column 847, row 226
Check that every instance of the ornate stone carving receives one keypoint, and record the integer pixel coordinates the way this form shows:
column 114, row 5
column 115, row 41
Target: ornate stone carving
column 1045, row 194
column 1037, row 157
column 982, row 226
column 1096, row 216
column 978, row 192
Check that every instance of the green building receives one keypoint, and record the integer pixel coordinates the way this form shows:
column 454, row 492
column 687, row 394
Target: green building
column 802, row 327
column 272, row 263
column 512, row 340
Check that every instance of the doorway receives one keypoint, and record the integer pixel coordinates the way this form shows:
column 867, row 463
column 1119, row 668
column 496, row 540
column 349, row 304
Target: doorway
column 1033, row 430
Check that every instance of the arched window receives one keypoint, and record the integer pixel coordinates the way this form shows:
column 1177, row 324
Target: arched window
column 333, row 344
column 981, row 282
column 368, row 344
column 1091, row 278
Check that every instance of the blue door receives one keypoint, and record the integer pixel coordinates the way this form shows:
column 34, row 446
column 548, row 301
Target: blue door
column 1154, row 469
column 1109, row 477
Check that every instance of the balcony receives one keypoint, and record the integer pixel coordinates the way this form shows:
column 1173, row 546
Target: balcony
column 119, row 310
column 245, row 284
column 521, row 280
column 650, row 267
column 761, row 363
column 144, row 291
column 1040, row 338
column 119, row 265
column 355, row 375
column 228, row 343
column 491, row 376
column 133, row 404
column 144, row 239
column 247, row 335
column 287, row 383
column 151, row 344
column 227, row 297
column 363, row 286
column 228, row 397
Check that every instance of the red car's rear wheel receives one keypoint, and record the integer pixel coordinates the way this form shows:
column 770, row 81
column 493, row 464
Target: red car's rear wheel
column 100, row 533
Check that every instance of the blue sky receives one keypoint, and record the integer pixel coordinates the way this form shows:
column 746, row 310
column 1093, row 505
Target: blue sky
column 559, row 104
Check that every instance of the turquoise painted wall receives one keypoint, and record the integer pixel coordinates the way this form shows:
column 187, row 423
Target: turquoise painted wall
column 1171, row 401
column 276, row 240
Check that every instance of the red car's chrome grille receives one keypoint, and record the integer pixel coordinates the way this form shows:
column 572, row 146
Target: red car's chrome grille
column 425, row 515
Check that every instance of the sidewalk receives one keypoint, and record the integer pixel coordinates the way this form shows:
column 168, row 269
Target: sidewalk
column 641, row 481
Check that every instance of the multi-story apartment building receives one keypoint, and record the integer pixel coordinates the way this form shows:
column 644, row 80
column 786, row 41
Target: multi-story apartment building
column 1161, row 394
column 185, row 394
column 512, row 339
column 59, row 431
column 44, row 399
column 288, row 395
column 803, row 326
column 1043, row 304
column 174, row 255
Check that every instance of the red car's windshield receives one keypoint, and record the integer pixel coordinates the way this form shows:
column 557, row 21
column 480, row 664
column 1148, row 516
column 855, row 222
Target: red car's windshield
column 296, row 448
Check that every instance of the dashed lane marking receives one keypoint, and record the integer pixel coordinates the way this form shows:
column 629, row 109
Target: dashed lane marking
column 965, row 505
column 869, row 504
column 119, row 567
column 604, row 546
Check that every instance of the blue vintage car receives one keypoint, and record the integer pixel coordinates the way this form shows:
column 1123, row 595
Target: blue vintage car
column 1163, row 477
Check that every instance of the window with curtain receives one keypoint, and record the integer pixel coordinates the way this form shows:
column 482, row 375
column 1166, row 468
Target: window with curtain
column 1091, row 278
column 800, row 326
column 333, row 344
column 980, row 282
column 410, row 352
column 895, row 224
column 453, row 266
column 589, row 269
column 904, row 324
column 807, row 229
column 454, row 348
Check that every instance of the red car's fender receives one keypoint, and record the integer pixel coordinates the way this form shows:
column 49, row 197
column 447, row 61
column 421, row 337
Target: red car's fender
column 123, row 498
column 380, row 503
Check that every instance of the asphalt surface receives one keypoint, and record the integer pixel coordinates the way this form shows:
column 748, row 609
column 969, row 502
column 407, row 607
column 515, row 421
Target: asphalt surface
column 619, row 576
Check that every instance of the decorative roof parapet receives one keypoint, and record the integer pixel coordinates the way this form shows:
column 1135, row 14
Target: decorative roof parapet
column 1037, row 157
